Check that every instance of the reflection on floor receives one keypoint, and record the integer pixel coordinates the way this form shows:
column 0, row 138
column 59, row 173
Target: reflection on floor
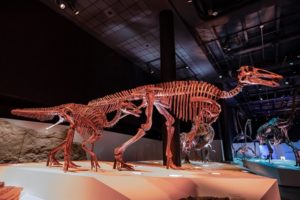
column 150, row 180
column 282, row 164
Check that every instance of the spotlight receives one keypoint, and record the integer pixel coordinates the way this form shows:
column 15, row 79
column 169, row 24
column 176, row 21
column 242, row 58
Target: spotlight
column 61, row 4
column 261, row 26
column 220, row 76
column 151, row 72
column 214, row 13
column 76, row 12
column 260, row 98
column 70, row 3
column 187, row 67
column 286, row 82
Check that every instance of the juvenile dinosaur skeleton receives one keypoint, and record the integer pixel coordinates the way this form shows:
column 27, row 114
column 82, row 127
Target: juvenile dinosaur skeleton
column 202, row 141
column 88, row 121
column 187, row 100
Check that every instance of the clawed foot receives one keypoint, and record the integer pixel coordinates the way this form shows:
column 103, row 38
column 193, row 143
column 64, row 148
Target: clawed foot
column 73, row 165
column 51, row 161
column 69, row 164
column 95, row 164
column 171, row 165
column 121, row 166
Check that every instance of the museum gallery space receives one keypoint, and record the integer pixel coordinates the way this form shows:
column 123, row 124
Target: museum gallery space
column 160, row 99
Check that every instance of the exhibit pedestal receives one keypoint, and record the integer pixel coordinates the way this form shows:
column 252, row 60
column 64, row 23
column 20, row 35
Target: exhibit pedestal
column 150, row 181
column 282, row 170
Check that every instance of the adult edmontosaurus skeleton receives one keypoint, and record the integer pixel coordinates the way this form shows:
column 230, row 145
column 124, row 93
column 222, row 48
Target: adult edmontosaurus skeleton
column 187, row 100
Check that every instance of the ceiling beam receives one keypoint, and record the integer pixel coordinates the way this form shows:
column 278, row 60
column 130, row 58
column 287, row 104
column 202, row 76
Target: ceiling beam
column 256, row 26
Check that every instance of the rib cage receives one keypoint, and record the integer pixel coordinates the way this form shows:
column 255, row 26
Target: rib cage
column 181, row 93
column 177, row 94
column 89, row 120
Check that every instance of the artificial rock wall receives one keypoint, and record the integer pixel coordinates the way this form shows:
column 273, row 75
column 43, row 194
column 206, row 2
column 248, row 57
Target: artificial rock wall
column 22, row 144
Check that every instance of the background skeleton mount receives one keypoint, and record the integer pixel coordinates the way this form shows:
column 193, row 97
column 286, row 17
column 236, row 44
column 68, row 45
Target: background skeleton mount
column 274, row 132
column 88, row 121
column 243, row 128
column 188, row 100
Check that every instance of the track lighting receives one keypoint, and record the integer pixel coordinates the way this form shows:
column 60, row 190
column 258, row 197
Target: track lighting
column 61, row 4
column 70, row 3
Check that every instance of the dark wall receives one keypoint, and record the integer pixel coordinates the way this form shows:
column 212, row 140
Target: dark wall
column 47, row 60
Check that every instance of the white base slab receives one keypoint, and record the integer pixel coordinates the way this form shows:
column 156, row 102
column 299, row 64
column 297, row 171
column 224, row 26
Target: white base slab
column 149, row 181
column 283, row 170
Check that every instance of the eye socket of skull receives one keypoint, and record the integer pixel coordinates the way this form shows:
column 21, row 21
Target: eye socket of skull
column 243, row 78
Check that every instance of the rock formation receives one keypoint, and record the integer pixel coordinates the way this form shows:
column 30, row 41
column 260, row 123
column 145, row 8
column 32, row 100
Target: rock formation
column 19, row 144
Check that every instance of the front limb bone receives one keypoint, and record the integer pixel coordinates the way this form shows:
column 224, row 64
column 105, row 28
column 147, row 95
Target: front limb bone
column 141, row 132
column 170, row 131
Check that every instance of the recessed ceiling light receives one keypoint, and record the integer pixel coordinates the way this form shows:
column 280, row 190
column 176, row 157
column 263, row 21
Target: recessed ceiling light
column 260, row 98
column 187, row 67
column 286, row 82
column 109, row 12
column 151, row 72
column 220, row 76
column 291, row 63
column 190, row 1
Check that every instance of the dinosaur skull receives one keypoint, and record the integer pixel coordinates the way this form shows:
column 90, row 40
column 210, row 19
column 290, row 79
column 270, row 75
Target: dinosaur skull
column 255, row 76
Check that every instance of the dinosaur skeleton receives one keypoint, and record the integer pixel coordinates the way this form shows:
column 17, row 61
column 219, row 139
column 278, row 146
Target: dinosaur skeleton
column 275, row 132
column 243, row 136
column 187, row 100
column 202, row 141
column 88, row 121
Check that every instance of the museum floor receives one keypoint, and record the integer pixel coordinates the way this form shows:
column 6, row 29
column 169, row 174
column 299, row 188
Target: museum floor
column 150, row 181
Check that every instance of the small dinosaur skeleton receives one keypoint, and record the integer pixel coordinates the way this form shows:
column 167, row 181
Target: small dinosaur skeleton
column 88, row 121
column 201, row 142
column 187, row 100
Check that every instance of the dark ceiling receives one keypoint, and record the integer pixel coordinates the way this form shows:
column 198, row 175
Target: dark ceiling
column 213, row 39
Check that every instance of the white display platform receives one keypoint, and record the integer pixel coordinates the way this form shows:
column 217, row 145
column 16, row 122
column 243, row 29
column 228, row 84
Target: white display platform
column 283, row 170
column 150, row 181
